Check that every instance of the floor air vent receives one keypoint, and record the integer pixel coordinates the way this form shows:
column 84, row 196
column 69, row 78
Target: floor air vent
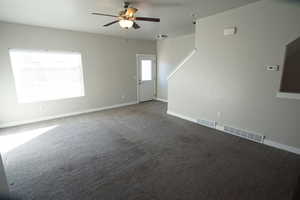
column 244, row 134
column 208, row 123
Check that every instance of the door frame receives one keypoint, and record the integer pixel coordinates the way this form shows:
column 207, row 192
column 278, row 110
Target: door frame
column 152, row 56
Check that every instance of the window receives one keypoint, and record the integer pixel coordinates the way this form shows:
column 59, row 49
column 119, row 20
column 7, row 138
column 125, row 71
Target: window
column 46, row 75
column 146, row 70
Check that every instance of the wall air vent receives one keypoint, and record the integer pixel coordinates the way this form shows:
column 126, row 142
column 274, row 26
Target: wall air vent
column 244, row 134
column 208, row 123
column 162, row 36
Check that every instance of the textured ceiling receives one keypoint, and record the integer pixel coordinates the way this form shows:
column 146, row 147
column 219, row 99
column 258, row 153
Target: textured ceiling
column 176, row 15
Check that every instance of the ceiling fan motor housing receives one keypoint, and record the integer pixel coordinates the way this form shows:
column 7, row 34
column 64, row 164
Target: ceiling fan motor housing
column 126, row 4
column 127, row 18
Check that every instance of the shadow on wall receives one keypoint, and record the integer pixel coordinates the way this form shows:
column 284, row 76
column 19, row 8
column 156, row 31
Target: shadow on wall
column 289, row 1
column 290, row 82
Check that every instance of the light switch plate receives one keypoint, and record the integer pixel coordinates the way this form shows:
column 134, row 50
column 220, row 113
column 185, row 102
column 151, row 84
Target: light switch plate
column 273, row 68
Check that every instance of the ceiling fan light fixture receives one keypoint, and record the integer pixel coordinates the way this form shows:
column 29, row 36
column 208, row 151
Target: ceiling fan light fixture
column 126, row 18
column 124, row 23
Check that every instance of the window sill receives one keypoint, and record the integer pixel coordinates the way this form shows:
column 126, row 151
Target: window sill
column 286, row 95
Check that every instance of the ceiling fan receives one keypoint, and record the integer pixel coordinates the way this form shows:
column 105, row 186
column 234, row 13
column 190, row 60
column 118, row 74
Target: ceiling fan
column 127, row 18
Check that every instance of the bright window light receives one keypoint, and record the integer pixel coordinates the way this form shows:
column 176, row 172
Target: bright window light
column 10, row 142
column 146, row 70
column 46, row 75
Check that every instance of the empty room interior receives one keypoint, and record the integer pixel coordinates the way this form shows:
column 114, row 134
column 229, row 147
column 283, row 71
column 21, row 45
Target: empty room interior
column 150, row 100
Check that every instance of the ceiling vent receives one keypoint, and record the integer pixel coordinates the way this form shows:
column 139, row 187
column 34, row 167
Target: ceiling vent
column 161, row 36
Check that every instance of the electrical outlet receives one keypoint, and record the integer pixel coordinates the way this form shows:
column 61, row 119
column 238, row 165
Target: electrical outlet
column 123, row 97
column 219, row 114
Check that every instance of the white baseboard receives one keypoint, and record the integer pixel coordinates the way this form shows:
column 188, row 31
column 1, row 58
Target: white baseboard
column 266, row 142
column 18, row 123
column 163, row 100
column 282, row 146
column 288, row 95
column 181, row 116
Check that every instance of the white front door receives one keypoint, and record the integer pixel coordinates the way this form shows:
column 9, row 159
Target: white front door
column 146, row 65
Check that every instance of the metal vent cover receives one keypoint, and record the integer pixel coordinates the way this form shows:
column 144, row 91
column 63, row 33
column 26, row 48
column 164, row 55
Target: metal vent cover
column 244, row 134
column 208, row 123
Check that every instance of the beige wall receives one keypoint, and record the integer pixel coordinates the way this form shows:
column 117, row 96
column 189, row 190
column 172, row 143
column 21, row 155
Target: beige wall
column 228, row 73
column 170, row 52
column 109, row 67
column 3, row 183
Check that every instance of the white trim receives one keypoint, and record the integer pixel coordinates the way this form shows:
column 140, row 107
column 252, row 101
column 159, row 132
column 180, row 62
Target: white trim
column 181, row 116
column 221, row 128
column 163, row 100
column 287, row 95
column 137, row 79
column 17, row 123
column 182, row 63
column 146, row 55
column 154, row 76
column 282, row 146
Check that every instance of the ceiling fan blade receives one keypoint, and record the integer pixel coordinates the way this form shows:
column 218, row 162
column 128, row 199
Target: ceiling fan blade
column 101, row 14
column 136, row 26
column 148, row 19
column 111, row 23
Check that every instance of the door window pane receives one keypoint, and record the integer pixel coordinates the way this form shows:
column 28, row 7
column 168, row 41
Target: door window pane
column 146, row 70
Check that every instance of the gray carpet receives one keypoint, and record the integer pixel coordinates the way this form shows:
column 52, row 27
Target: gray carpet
column 140, row 153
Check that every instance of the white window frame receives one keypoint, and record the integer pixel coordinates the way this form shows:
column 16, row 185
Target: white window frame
column 41, row 99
